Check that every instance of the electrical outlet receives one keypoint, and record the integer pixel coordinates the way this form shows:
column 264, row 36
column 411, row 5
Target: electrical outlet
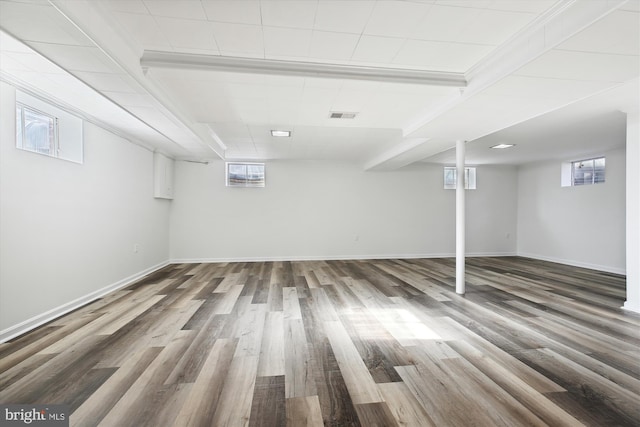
column 136, row 248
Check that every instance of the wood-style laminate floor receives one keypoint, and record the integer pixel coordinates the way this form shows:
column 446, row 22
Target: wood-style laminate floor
column 341, row 343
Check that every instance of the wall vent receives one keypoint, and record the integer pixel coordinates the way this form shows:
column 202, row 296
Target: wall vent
column 342, row 115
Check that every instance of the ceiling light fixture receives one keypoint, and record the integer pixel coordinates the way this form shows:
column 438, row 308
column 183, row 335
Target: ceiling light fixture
column 503, row 146
column 286, row 133
column 342, row 115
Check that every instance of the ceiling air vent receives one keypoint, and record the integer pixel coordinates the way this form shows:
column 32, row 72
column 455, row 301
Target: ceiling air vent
column 342, row 115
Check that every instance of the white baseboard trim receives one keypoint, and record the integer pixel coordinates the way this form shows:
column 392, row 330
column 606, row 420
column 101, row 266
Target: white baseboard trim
column 630, row 307
column 41, row 319
column 573, row 263
column 333, row 258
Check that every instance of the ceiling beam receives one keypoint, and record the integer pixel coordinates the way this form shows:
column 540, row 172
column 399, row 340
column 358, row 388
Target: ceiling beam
column 160, row 59
column 94, row 20
column 557, row 24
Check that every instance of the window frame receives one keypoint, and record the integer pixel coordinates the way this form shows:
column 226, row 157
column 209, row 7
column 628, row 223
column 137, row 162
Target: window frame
column 21, row 108
column 247, row 182
column 594, row 174
column 470, row 177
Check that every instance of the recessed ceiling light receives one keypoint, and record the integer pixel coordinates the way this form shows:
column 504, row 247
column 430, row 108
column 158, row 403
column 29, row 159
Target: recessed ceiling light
column 503, row 146
column 280, row 133
column 342, row 115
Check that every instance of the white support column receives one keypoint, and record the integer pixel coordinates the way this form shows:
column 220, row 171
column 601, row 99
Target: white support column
column 633, row 212
column 460, row 218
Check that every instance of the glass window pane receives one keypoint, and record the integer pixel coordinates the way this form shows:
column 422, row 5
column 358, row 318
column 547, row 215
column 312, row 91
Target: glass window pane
column 449, row 178
column 470, row 178
column 245, row 175
column 598, row 170
column 36, row 131
column 586, row 172
column 255, row 175
column 39, row 132
column 237, row 174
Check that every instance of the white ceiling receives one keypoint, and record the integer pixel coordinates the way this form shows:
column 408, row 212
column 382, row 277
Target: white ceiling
column 521, row 60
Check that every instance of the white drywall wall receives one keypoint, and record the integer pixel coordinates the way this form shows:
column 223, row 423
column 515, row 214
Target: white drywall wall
column 68, row 230
column 582, row 225
column 312, row 209
column 633, row 212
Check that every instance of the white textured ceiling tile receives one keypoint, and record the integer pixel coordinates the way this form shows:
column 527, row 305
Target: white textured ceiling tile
column 444, row 23
column 375, row 49
column 631, row 5
column 319, row 95
column 494, row 27
column 572, row 65
column 530, row 6
column 237, row 39
column 244, row 90
column 105, row 81
column 396, row 18
column 70, row 83
column 336, row 46
column 9, row 44
column 253, row 115
column 10, row 65
column 322, row 82
column 361, row 85
column 183, row 33
column 239, row 154
column 36, row 22
column 202, row 110
column 289, row 14
column 312, row 114
column 203, row 103
column 33, row 61
column 77, row 58
column 241, row 104
column 477, row 4
column 259, row 131
column 144, row 30
column 230, row 129
column 281, row 93
column 305, row 134
column 230, row 77
column 285, row 110
column 297, row 81
column 344, row 16
column 548, row 88
column 153, row 115
column 184, row 76
column 234, row 11
column 129, row 6
column 128, row 99
column 186, row 9
column 290, row 42
column 456, row 57
column 618, row 32
column 351, row 100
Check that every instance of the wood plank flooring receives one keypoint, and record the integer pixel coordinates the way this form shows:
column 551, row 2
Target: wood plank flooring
column 341, row 343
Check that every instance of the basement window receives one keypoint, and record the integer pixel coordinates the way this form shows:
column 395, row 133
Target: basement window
column 583, row 172
column 451, row 174
column 36, row 131
column 586, row 172
column 239, row 174
column 45, row 129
